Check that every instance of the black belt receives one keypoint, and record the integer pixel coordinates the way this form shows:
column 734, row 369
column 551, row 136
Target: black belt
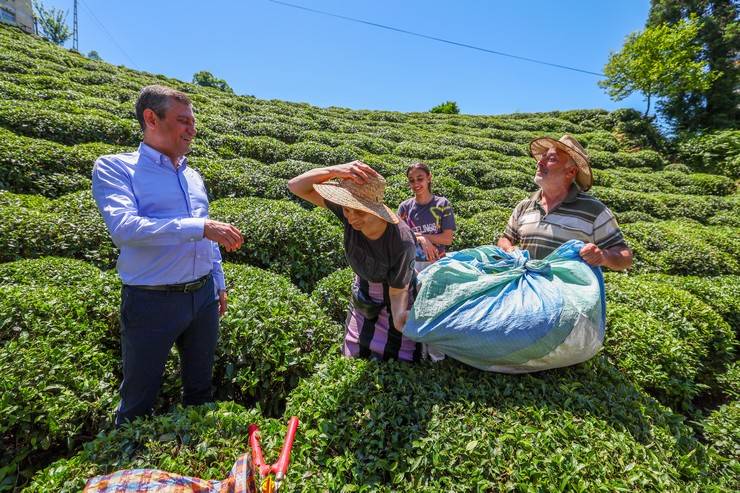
column 186, row 287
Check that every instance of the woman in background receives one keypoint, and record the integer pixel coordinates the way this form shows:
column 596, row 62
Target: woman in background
column 429, row 216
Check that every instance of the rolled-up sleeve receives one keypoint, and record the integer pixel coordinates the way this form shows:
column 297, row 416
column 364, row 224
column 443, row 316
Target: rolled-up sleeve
column 113, row 194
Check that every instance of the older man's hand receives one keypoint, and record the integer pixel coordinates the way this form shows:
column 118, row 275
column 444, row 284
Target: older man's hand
column 593, row 255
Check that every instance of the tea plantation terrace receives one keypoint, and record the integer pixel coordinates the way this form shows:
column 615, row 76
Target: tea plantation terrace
column 656, row 410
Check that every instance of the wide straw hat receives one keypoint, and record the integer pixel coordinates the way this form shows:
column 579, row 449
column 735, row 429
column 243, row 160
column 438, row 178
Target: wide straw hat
column 367, row 197
column 538, row 147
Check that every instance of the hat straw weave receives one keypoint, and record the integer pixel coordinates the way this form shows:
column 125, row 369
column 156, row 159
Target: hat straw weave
column 367, row 197
column 538, row 147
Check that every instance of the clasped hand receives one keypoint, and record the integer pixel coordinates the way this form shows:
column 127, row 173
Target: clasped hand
column 224, row 234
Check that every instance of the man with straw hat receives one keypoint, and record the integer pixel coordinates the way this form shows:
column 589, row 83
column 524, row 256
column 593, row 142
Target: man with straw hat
column 562, row 211
column 380, row 250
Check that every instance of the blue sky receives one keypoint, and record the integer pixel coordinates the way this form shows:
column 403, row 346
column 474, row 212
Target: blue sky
column 275, row 52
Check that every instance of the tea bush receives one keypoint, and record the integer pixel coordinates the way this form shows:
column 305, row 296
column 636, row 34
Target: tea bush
column 721, row 429
column 57, row 374
column 484, row 228
column 240, row 178
column 271, row 336
column 714, row 152
column 332, row 294
column 202, row 441
column 720, row 292
column 666, row 339
column 283, row 237
column 372, row 426
column 69, row 226
column 730, row 380
column 35, row 120
column 661, row 205
column 683, row 248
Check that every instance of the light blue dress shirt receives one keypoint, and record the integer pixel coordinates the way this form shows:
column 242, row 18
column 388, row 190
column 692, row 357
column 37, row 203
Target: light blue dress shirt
column 156, row 214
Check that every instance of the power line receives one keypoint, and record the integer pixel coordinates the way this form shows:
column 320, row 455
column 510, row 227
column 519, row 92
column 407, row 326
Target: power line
column 434, row 38
column 133, row 64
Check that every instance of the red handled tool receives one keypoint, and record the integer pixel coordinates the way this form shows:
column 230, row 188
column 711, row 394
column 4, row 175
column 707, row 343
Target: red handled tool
column 280, row 468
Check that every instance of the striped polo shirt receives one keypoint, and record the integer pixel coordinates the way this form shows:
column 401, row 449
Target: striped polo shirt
column 579, row 217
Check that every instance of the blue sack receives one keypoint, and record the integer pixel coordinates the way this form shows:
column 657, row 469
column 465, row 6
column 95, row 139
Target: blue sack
column 501, row 311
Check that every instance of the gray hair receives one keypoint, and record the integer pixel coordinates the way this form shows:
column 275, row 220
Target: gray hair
column 157, row 98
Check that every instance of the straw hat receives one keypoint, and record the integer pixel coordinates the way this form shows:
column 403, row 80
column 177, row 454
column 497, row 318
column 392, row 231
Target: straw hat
column 584, row 178
column 367, row 197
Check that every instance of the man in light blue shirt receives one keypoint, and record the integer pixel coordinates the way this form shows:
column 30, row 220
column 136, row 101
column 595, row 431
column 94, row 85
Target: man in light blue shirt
column 156, row 210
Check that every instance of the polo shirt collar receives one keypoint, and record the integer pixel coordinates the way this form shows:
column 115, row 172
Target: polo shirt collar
column 158, row 157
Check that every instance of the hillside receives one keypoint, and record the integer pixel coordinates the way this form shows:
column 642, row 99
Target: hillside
column 657, row 410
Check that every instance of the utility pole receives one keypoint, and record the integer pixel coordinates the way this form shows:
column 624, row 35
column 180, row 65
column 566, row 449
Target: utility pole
column 75, row 31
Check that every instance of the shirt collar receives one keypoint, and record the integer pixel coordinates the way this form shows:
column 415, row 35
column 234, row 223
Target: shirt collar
column 158, row 157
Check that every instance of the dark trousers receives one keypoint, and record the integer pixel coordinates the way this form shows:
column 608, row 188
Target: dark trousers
column 151, row 322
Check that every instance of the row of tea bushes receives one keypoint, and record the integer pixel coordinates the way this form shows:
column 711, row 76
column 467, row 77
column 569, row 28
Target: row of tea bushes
column 307, row 244
column 664, row 205
column 69, row 226
column 684, row 248
column 722, row 293
column 395, row 427
column 279, row 235
column 67, row 127
column 283, row 237
column 60, row 353
column 666, row 339
column 37, row 166
column 58, row 363
column 483, row 228
column 370, row 426
column 662, row 336
column 673, row 182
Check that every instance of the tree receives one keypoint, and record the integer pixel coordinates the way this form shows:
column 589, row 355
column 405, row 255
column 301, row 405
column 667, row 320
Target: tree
column 659, row 62
column 53, row 23
column 719, row 36
column 94, row 55
column 207, row 79
column 448, row 107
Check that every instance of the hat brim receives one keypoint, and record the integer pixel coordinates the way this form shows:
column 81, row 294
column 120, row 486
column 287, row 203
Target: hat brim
column 341, row 196
column 584, row 178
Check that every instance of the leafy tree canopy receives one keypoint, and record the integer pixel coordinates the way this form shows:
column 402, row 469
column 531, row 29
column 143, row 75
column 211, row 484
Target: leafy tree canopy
column 53, row 23
column 661, row 62
column 448, row 107
column 207, row 79
column 719, row 37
